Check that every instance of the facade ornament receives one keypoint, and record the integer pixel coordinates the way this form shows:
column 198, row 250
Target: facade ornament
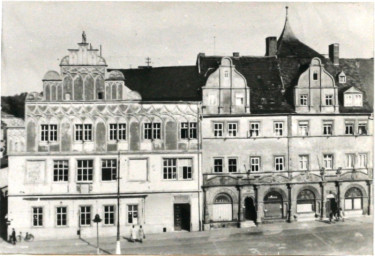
column 322, row 173
column 83, row 37
column 338, row 172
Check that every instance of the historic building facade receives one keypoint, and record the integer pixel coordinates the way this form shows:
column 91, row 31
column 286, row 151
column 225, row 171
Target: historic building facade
column 231, row 141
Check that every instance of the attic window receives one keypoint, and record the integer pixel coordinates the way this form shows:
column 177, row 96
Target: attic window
column 226, row 73
column 315, row 76
column 342, row 78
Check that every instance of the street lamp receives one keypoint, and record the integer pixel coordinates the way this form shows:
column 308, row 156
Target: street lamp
column 97, row 219
column 118, row 243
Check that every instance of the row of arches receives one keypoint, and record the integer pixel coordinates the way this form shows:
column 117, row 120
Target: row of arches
column 83, row 89
column 307, row 201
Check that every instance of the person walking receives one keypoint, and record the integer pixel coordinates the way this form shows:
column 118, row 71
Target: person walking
column 133, row 234
column 141, row 234
column 330, row 217
column 341, row 214
column 14, row 239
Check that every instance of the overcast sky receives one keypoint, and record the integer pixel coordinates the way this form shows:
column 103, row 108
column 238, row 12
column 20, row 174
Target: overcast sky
column 35, row 35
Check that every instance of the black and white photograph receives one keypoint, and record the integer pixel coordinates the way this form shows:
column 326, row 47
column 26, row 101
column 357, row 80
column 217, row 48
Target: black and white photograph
column 187, row 128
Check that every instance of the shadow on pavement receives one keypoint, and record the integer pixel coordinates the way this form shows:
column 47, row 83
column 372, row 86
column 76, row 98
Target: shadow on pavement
column 92, row 245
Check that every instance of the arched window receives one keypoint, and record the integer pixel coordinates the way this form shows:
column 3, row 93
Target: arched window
column 306, row 201
column 273, row 205
column 353, row 199
column 222, row 208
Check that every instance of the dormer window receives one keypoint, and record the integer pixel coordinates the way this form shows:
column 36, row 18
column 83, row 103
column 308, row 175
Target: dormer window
column 342, row 78
column 315, row 76
column 353, row 98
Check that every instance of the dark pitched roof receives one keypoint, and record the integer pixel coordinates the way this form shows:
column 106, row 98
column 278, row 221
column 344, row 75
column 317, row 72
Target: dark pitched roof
column 164, row 83
column 262, row 76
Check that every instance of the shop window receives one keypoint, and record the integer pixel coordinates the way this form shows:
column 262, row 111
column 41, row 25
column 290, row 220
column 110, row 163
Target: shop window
column 306, row 201
column 353, row 199
column 222, row 208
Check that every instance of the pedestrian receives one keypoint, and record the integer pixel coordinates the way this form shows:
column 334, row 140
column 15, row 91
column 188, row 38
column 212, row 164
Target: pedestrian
column 133, row 234
column 14, row 239
column 330, row 217
column 341, row 214
column 141, row 234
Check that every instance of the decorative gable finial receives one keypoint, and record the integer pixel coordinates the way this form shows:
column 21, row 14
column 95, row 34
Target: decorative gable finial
column 286, row 10
column 83, row 37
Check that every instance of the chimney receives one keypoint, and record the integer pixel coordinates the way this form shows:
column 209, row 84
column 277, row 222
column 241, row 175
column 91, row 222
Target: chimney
column 236, row 54
column 334, row 53
column 271, row 46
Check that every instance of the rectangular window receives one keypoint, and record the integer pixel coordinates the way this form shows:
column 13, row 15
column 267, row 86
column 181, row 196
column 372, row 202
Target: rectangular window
column 218, row 129
column 350, row 160
column 362, row 128
column 328, row 161
column 303, row 128
column 329, row 100
column 83, row 132
column 218, row 165
column 48, row 132
column 133, row 214
column 37, row 216
column 85, row 170
column 60, row 170
column 61, row 216
column 304, row 162
column 232, row 165
column 357, row 100
column 278, row 128
column 109, row 214
column 122, row 131
column 186, row 165
column 169, row 169
column 85, row 216
column 113, row 131
column 79, row 132
column 279, row 163
column 188, row 130
column 255, row 164
column 109, row 169
column 232, row 129
column 362, row 160
column 315, row 75
column 239, row 99
column 303, row 100
column 151, row 131
column 88, row 132
column 327, row 127
column 349, row 128
column 254, row 129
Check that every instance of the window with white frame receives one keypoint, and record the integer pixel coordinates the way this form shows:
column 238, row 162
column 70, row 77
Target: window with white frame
column 37, row 216
column 83, row 132
column 232, row 129
column 109, row 169
column 278, row 128
column 353, row 100
column 239, row 99
column 85, row 169
column 48, row 132
column 151, row 131
column 329, row 100
column 169, row 168
column 232, row 164
column 254, row 129
column 327, row 127
column 342, row 79
column 350, row 160
column 304, row 162
column 328, row 161
column 218, row 129
column 349, row 127
column 357, row 100
column 303, row 128
column 279, row 163
column 218, row 165
column 255, row 164
column 303, row 99
column 193, row 130
column 85, row 215
column 133, row 214
column 60, row 170
column 117, row 131
column 362, row 128
column 188, row 130
column 362, row 160
column 61, row 216
column 109, row 214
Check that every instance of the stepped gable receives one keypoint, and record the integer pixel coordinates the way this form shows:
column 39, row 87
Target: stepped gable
column 175, row 83
column 262, row 76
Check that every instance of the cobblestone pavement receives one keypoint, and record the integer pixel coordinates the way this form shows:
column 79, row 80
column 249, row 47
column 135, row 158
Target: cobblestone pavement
column 354, row 236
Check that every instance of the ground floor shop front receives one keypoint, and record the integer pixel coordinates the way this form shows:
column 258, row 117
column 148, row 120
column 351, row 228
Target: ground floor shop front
column 232, row 202
column 48, row 217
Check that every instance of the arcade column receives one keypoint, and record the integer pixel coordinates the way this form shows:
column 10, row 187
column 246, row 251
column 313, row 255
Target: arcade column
column 323, row 202
column 259, row 204
column 369, row 210
column 290, row 203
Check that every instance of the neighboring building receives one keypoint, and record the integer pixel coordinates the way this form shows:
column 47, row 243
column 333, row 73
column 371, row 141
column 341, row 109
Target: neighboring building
column 231, row 141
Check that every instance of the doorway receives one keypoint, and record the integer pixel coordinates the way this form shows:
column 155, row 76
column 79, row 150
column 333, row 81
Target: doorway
column 181, row 217
column 331, row 205
column 250, row 211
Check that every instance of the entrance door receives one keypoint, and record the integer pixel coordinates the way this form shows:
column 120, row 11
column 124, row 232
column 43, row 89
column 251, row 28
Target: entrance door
column 273, row 205
column 182, row 217
column 250, row 211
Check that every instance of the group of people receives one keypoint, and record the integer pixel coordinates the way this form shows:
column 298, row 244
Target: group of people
column 137, row 235
column 337, row 214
